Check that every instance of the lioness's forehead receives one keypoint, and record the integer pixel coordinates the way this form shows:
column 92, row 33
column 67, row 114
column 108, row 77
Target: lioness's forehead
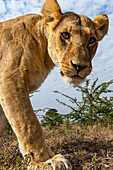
column 73, row 19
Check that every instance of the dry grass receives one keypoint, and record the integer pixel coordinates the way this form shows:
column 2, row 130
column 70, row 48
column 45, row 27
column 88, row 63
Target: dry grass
column 87, row 148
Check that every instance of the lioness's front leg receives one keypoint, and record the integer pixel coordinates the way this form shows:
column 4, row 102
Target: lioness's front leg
column 19, row 112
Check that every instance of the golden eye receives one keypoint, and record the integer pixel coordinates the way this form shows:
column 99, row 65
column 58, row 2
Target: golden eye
column 65, row 35
column 92, row 40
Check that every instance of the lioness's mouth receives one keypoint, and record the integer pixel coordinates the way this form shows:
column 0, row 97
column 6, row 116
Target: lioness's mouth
column 74, row 80
column 74, row 76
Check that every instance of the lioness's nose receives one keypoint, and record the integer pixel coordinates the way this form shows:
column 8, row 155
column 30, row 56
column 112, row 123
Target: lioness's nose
column 78, row 67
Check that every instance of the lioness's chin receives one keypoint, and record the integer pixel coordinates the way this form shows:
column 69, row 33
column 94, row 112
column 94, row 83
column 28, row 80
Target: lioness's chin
column 74, row 81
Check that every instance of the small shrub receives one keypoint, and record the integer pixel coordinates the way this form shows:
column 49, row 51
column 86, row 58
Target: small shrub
column 93, row 108
column 52, row 119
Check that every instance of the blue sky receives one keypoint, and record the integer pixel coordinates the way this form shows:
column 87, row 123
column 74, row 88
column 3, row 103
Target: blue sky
column 102, row 63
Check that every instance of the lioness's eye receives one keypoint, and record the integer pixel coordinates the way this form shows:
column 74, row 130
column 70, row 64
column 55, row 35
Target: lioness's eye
column 92, row 40
column 65, row 35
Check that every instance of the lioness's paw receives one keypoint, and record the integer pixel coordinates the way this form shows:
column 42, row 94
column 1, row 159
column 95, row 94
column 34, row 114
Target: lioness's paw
column 58, row 162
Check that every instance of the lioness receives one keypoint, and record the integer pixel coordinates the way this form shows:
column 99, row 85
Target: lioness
column 30, row 46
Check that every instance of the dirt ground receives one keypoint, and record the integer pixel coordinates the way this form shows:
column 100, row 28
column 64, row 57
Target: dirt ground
column 87, row 148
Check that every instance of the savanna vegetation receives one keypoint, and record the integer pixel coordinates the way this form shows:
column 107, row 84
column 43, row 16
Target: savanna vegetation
column 84, row 136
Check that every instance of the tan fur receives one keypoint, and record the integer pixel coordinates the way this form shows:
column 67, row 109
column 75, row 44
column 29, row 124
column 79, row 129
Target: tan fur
column 3, row 121
column 30, row 46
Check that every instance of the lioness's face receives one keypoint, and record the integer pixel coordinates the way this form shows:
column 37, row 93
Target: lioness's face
column 72, row 45
column 72, row 40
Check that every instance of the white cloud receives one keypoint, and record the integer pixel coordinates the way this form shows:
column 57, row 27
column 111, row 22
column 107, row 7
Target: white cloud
column 3, row 7
column 87, row 7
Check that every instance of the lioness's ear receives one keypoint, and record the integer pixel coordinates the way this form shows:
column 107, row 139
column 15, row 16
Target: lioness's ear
column 101, row 23
column 51, row 12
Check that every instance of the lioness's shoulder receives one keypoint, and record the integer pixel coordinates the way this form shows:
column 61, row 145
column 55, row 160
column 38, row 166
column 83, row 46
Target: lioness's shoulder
column 30, row 20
